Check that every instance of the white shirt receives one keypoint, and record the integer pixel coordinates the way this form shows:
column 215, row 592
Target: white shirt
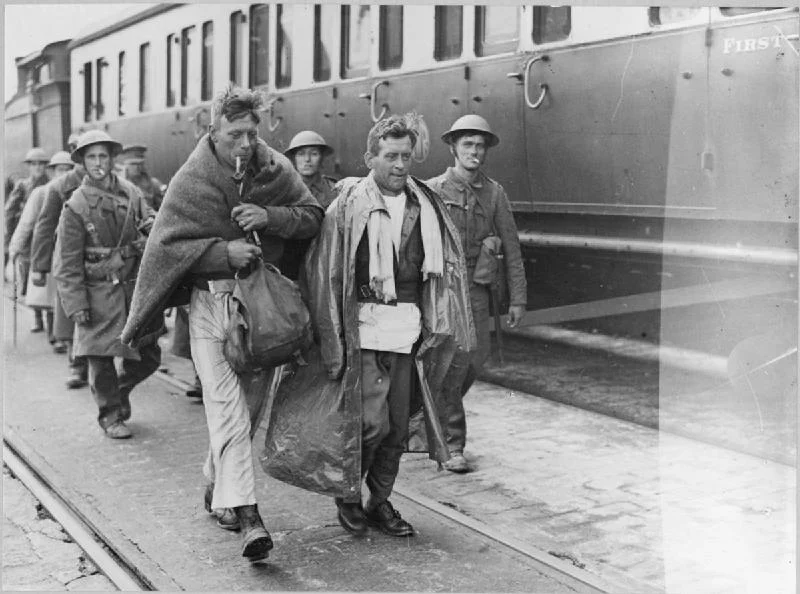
column 391, row 328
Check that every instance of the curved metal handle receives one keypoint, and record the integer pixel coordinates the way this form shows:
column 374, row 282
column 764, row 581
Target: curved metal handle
column 270, row 116
column 542, row 86
column 373, row 96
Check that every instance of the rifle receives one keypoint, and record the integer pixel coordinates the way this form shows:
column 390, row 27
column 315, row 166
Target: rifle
column 428, row 404
column 498, row 327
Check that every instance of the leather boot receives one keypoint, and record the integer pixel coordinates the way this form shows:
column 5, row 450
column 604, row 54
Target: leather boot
column 256, row 541
column 351, row 517
column 38, row 322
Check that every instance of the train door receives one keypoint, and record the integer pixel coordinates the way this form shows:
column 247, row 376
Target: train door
column 436, row 89
column 313, row 105
column 498, row 97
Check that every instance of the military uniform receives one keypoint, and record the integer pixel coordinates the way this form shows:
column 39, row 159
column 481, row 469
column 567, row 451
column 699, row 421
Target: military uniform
column 478, row 210
column 97, row 258
column 149, row 186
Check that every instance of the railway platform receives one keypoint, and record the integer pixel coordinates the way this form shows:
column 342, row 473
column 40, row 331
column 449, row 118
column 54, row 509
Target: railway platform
column 561, row 500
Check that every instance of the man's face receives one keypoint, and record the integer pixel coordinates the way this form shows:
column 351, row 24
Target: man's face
column 60, row 170
column 36, row 168
column 470, row 151
column 132, row 169
column 391, row 165
column 97, row 161
column 307, row 160
column 238, row 138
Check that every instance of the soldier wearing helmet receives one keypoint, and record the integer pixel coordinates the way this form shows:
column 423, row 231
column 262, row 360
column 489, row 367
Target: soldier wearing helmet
column 480, row 209
column 307, row 151
column 39, row 299
column 132, row 160
column 56, row 193
column 36, row 160
column 100, row 242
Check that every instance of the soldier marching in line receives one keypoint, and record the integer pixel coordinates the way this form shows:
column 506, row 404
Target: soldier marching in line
column 307, row 151
column 132, row 160
column 36, row 160
column 42, row 247
column 480, row 209
column 40, row 299
column 101, row 236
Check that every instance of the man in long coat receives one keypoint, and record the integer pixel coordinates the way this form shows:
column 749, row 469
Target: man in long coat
column 100, row 240
column 232, row 185
column 385, row 282
column 36, row 160
column 43, row 245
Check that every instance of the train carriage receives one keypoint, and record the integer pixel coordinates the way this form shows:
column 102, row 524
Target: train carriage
column 650, row 153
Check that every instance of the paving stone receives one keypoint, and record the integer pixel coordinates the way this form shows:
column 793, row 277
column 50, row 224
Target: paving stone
column 51, row 529
column 61, row 556
column 29, row 578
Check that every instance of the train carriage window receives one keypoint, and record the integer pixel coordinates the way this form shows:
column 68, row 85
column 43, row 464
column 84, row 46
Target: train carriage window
column 283, row 46
column 187, row 64
column 667, row 15
column 551, row 23
column 355, row 40
column 496, row 29
column 390, row 51
column 449, row 42
column 121, row 95
column 207, row 64
column 259, row 44
column 173, row 47
column 87, row 92
column 237, row 22
column 99, row 108
column 323, row 40
column 144, row 77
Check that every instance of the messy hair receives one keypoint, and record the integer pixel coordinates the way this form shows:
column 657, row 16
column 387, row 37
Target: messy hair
column 395, row 126
column 235, row 103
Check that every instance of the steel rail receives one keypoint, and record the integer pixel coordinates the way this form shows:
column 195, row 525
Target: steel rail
column 730, row 253
column 83, row 535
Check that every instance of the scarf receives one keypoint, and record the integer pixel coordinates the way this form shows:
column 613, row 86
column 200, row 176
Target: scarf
column 381, row 246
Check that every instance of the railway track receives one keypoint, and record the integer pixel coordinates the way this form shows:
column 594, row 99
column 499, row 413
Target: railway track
column 120, row 572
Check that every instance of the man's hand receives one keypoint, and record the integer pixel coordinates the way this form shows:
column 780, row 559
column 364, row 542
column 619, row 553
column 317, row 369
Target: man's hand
column 39, row 279
column 515, row 313
column 249, row 217
column 241, row 253
column 82, row 318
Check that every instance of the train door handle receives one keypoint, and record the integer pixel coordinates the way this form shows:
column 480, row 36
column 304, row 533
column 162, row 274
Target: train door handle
column 373, row 100
column 543, row 86
column 272, row 121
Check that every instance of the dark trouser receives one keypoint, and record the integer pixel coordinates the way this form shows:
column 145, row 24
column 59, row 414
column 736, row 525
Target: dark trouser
column 463, row 371
column 386, row 383
column 112, row 392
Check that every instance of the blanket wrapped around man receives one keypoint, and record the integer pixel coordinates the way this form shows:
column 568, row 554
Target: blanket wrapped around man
column 196, row 213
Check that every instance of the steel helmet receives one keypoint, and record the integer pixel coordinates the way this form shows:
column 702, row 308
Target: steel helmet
column 60, row 158
column 307, row 138
column 94, row 137
column 73, row 139
column 471, row 123
column 36, row 155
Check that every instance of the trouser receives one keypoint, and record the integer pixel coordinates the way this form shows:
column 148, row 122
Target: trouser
column 77, row 365
column 463, row 371
column 111, row 391
column 233, row 405
column 387, row 380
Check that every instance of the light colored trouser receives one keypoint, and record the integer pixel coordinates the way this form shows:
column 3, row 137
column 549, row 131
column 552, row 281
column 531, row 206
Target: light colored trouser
column 229, row 464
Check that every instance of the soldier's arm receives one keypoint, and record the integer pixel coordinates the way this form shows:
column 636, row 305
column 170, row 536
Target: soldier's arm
column 69, row 269
column 507, row 230
column 44, row 231
column 13, row 210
